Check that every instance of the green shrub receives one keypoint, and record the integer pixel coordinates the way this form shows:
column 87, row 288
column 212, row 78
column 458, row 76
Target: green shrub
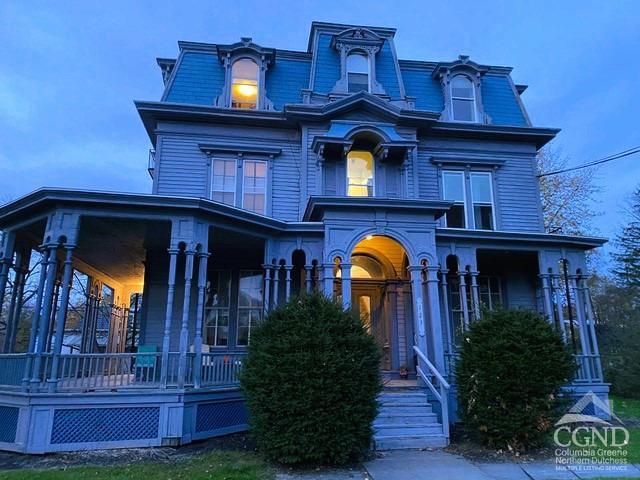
column 511, row 368
column 311, row 379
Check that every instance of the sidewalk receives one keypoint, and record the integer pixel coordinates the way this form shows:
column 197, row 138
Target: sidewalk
column 435, row 465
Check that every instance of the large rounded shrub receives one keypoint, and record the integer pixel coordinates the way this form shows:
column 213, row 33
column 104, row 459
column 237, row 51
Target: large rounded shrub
column 311, row 379
column 511, row 368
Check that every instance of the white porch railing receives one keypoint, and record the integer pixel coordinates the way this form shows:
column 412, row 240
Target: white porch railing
column 589, row 369
column 112, row 371
column 440, row 390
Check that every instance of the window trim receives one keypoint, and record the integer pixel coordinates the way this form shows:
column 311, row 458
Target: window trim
column 235, row 176
column 373, row 175
column 472, row 100
column 473, row 202
column 266, row 185
column 464, row 195
column 229, row 309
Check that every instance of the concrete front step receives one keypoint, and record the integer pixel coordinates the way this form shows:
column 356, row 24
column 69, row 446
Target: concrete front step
column 405, row 408
column 393, row 418
column 403, row 442
column 407, row 431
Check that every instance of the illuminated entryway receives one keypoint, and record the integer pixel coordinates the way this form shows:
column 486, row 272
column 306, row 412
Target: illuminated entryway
column 381, row 297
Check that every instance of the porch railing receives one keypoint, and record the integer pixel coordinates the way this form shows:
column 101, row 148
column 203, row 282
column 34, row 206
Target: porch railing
column 112, row 371
column 589, row 369
column 440, row 389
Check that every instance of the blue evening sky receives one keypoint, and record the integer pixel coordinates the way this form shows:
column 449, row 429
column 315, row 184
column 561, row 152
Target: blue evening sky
column 69, row 72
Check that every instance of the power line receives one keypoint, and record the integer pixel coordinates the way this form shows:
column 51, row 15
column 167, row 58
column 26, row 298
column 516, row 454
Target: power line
column 615, row 156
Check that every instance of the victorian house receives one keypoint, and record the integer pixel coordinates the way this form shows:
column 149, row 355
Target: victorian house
column 405, row 189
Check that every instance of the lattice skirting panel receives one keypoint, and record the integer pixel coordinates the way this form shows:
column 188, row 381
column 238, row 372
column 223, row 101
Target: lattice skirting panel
column 221, row 416
column 8, row 423
column 91, row 425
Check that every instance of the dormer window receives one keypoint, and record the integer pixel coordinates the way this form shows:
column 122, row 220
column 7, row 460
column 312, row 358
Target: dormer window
column 463, row 99
column 360, row 168
column 244, row 84
column 357, row 72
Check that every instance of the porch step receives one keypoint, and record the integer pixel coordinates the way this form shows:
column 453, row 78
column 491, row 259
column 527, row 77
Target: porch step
column 406, row 420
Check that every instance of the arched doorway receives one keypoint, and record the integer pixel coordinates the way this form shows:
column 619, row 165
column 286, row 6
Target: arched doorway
column 381, row 297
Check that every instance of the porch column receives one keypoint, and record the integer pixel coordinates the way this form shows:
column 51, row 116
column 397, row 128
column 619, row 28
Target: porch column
column 5, row 262
column 591, row 323
column 61, row 318
column 419, row 333
column 276, row 284
column 34, row 321
column 555, row 281
column 166, row 339
column 436, row 319
column 186, row 307
column 308, row 277
column 573, row 285
column 287, row 269
column 45, row 315
column 475, row 295
column 345, row 268
column 444, row 294
column 327, row 279
column 15, row 305
column 203, row 258
column 267, row 287
column 546, row 296
column 463, row 298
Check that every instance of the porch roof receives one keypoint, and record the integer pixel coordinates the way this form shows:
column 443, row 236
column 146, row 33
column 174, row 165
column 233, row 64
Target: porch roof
column 541, row 239
column 37, row 204
column 317, row 205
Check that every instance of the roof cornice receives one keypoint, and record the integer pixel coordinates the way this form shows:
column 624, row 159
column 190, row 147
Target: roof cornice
column 584, row 242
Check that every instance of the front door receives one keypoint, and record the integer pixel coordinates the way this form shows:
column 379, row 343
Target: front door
column 367, row 300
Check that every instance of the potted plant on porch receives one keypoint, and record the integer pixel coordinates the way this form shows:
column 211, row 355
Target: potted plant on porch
column 404, row 372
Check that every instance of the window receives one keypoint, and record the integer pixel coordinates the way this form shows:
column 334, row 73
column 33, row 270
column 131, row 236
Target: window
column 359, row 174
column 217, row 305
column 254, row 186
column 463, row 99
column 482, row 198
column 357, row 73
column 244, row 84
column 249, row 304
column 454, row 189
column 224, row 181
column 490, row 291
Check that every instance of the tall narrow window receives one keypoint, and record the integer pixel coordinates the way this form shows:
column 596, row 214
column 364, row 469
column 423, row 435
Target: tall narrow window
column 490, row 291
column 482, row 198
column 360, row 174
column 224, row 181
column 357, row 72
column 453, row 189
column 216, row 333
column 254, row 186
column 249, row 304
column 244, row 84
column 463, row 99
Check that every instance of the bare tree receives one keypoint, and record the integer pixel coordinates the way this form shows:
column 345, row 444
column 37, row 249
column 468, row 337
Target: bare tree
column 567, row 198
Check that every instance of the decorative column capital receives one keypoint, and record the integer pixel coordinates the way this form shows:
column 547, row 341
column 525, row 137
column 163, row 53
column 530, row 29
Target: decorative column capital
column 415, row 268
column 173, row 251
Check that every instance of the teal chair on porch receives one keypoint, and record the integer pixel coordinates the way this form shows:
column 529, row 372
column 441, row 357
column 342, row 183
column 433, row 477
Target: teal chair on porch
column 146, row 365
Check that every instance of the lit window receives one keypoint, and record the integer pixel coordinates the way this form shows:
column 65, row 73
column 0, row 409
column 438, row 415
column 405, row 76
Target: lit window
column 463, row 99
column 482, row 198
column 249, row 304
column 244, row 84
column 454, row 190
column 254, row 186
column 216, row 331
column 224, row 181
column 359, row 174
column 357, row 72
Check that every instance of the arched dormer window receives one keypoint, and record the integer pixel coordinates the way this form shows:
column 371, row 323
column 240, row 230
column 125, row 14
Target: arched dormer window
column 245, row 80
column 357, row 72
column 463, row 99
column 461, row 82
column 360, row 173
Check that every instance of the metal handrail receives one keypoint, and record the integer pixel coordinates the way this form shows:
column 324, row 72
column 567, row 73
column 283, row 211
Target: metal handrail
column 441, row 393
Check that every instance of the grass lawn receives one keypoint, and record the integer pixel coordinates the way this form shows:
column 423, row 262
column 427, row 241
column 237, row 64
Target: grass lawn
column 211, row 466
column 625, row 408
